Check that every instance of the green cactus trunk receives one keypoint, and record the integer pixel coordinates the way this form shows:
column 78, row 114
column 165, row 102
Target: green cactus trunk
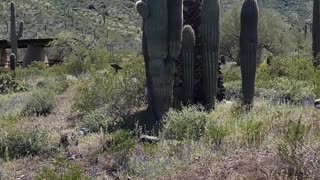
column 248, row 48
column 192, row 17
column 187, row 56
column 162, row 26
column 210, row 28
column 13, row 31
column 316, row 31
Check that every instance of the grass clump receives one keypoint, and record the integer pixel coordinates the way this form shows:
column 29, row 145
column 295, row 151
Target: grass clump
column 63, row 170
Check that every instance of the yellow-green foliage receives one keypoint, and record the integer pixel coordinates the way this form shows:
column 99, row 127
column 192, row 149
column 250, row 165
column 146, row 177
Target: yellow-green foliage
column 118, row 91
column 18, row 144
column 287, row 78
column 61, row 169
column 189, row 123
column 40, row 102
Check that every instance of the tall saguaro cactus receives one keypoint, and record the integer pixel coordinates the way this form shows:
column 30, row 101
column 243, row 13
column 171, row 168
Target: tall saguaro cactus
column 210, row 30
column 248, row 48
column 316, row 30
column 162, row 27
column 187, row 55
column 14, row 35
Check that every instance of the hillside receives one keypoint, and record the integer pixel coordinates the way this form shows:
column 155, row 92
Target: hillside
column 46, row 18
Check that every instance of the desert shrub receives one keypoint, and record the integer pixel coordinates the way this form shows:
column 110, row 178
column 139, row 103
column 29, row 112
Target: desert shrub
column 300, row 69
column 293, row 90
column 122, row 93
column 316, row 83
column 63, row 170
column 294, row 68
column 98, row 120
column 18, row 144
column 40, row 102
column 57, row 85
column 58, row 70
column 121, row 147
column 215, row 132
column 75, row 66
column 9, row 84
column 189, row 123
column 12, row 104
column 231, row 72
column 289, row 148
column 34, row 70
column 233, row 89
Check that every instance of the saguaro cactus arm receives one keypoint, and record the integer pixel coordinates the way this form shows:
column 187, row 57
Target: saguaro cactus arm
column 142, row 9
column 13, row 62
column 20, row 31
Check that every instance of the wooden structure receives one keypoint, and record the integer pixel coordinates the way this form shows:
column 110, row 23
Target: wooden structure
column 35, row 51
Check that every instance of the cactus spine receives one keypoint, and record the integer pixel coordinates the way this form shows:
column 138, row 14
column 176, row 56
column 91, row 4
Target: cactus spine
column 316, row 30
column 14, row 36
column 187, row 55
column 13, row 63
column 162, row 26
column 248, row 48
column 210, row 29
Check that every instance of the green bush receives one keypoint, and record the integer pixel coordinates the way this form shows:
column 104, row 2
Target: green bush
column 293, row 90
column 34, row 70
column 119, row 93
column 57, row 85
column 251, row 132
column 189, row 123
column 289, row 148
column 18, row 144
column 40, row 102
column 316, row 83
column 98, row 120
column 215, row 132
column 231, row 73
column 9, row 84
column 121, row 147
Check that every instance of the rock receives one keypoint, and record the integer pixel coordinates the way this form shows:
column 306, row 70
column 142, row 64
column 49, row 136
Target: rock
column 317, row 103
column 68, row 139
column 148, row 139
column 84, row 131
